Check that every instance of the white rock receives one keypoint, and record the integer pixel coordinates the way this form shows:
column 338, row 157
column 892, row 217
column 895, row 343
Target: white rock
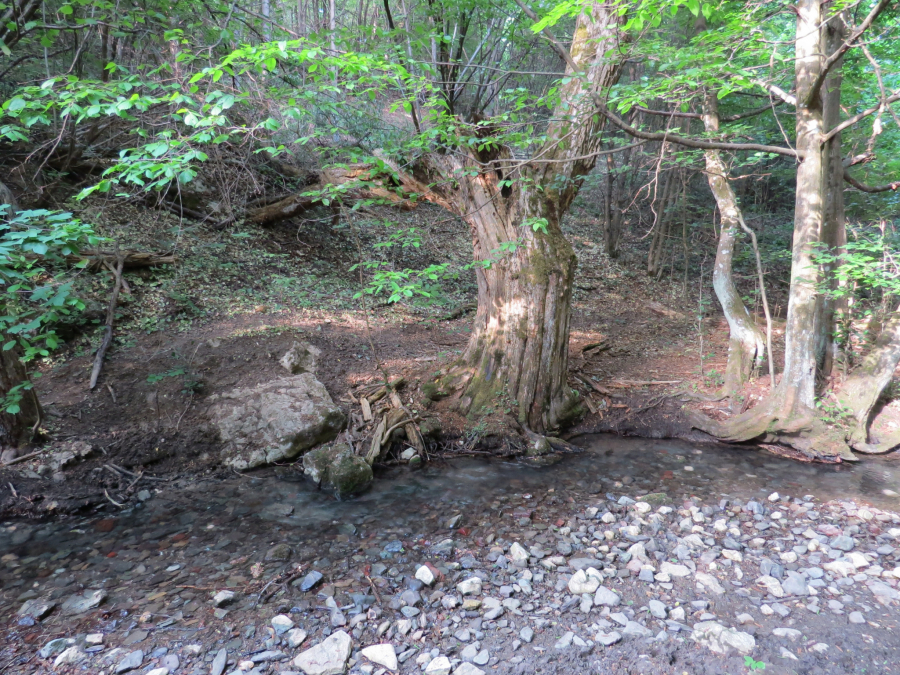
column 584, row 582
column 438, row 666
column 721, row 640
column 674, row 570
column 467, row 669
column 92, row 639
column 425, row 575
column 295, row 637
column 159, row 671
column 223, row 598
column 470, row 586
column 606, row 597
column 735, row 556
column 642, row 507
column 282, row 624
column 329, row 657
column 517, row 553
column 774, row 497
column 383, row 655
column 70, row 655
column 710, row 582
column 772, row 585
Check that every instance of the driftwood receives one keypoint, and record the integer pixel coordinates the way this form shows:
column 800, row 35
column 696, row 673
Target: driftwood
column 108, row 328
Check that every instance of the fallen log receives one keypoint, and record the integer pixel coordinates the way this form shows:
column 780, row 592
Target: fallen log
column 363, row 183
column 130, row 259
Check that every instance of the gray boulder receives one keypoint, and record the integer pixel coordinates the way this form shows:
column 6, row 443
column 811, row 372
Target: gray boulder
column 275, row 421
column 336, row 468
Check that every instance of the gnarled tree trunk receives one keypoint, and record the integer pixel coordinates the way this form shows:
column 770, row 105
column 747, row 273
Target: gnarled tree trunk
column 861, row 391
column 746, row 345
column 788, row 414
column 518, row 351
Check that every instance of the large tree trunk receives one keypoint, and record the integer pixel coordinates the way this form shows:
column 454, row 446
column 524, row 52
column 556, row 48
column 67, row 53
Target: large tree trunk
column 746, row 345
column 518, row 351
column 863, row 388
column 16, row 429
column 834, row 230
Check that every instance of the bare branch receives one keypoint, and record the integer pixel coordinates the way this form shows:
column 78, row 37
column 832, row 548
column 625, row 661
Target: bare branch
column 692, row 142
column 856, row 118
column 870, row 188
column 844, row 48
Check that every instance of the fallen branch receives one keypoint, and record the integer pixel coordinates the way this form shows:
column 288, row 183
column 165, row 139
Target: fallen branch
column 110, row 316
column 105, row 492
column 24, row 458
column 98, row 259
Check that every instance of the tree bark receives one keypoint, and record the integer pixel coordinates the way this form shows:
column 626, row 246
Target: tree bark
column 865, row 385
column 518, row 351
column 16, row 429
column 788, row 414
column 746, row 345
column 834, row 231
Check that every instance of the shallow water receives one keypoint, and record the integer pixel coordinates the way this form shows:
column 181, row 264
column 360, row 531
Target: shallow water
column 610, row 464
column 418, row 501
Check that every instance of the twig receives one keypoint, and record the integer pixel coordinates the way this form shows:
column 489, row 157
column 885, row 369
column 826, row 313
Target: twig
column 13, row 490
column 111, row 499
column 764, row 298
column 374, row 590
column 111, row 392
column 110, row 316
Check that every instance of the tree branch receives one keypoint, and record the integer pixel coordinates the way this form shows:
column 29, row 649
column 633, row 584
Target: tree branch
column 697, row 116
column 692, row 142
column 844, row 48
column 856, row 118
column 870, row 188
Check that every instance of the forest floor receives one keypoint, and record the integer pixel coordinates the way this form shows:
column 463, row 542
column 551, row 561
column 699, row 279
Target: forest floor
column 239, row 298
column 131, row 586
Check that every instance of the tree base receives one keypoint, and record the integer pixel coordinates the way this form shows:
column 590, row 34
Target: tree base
column 766, row 423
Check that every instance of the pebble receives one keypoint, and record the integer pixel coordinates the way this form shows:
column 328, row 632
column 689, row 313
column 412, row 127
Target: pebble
column 282, row 624
column 219, row 662
column 295, row 637
column 223, row 598
column 470, row 586
column 130, row 662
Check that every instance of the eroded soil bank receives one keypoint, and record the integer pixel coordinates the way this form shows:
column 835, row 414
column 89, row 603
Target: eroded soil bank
column 634, row 557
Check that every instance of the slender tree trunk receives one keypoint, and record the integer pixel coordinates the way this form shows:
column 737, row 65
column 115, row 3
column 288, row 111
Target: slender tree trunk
column 834, row 231
column 865, row 385
column 746, row 345
column 16, row 429
column 787, row 414
column 797, row 388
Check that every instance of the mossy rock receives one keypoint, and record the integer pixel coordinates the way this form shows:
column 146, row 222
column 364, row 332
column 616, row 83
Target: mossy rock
column 656, row 498
column 338, row 469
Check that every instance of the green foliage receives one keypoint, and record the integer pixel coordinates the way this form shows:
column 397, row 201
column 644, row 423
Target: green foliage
column 37, row 290
column 754, row 665
column 868, row 262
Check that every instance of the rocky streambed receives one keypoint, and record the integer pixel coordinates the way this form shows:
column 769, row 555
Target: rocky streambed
column 634, row 557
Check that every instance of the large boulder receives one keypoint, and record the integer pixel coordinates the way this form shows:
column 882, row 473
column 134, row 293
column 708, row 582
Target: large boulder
column 338, row 469
column 275, row 421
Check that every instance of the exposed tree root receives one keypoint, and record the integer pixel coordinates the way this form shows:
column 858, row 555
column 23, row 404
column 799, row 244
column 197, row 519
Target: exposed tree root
column 766, row 423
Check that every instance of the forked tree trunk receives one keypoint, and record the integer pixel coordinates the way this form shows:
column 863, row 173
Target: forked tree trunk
column 863, row 388
column 746, row 344
column 16, row 429
column 787, row 415
column 518, row 351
